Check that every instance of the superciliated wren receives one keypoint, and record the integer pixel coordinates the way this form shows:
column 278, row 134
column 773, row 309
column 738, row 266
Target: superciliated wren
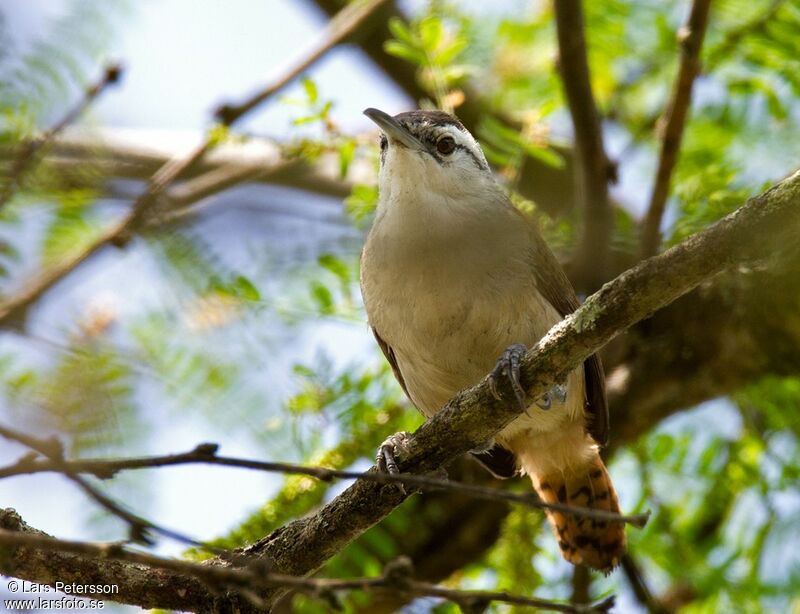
column 455, row 277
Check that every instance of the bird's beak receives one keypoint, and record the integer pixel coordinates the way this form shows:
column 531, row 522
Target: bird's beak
column 393, row 129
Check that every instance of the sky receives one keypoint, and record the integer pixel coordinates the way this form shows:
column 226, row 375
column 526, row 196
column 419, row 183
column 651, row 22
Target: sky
column 180, row 56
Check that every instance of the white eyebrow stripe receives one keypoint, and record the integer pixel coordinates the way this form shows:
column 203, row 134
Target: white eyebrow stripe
column 470, row 145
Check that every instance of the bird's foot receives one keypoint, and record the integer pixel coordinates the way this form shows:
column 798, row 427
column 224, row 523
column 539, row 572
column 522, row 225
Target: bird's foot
column 386, row 460
column 557, row 392
column 508, row 366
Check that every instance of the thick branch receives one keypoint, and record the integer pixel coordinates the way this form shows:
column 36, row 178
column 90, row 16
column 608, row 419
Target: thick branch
column 594, row 169
column 28, row 544
column 711, row 342
column 729, row 332
column 472, row 417
column 690, row 37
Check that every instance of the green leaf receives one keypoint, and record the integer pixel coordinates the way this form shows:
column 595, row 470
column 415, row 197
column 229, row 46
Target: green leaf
column 401, row 32
column 450, row 52
column 335, row 265
column 431, row 32
column 322, row 296
column 245, row 289
column 346, row 152
column 311, row 90
column 547, row 156
column 306, row 119
column 362, row 202
column 404, row 52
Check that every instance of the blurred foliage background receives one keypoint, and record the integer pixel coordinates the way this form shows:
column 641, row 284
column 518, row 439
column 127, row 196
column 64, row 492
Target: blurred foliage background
column 241, row 320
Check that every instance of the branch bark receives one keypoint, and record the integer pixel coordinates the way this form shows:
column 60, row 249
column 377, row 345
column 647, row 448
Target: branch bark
column 690, row 37
column 593, row 169
column 711, row 342
column 728, row 333
column 758, row 230
column 246, row 580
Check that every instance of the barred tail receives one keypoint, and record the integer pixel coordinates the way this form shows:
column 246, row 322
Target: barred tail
column 597, row 543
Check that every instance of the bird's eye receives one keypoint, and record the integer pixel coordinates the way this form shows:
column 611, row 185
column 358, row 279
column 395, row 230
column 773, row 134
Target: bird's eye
column 384, row 142
column 446, row 145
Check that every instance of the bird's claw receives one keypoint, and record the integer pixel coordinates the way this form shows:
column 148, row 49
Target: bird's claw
column 508, row 366
column 557, row 392
column 386, row 460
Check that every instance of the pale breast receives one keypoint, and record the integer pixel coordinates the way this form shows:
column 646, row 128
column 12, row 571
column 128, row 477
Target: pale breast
column 448, row 314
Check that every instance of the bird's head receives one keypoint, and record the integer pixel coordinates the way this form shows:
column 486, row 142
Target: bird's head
column 430, row 153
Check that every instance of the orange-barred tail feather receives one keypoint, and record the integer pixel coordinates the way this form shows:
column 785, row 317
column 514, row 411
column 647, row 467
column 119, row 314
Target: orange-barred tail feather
column 584, row 541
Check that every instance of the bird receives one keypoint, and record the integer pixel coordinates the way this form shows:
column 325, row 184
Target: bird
column 456, row 284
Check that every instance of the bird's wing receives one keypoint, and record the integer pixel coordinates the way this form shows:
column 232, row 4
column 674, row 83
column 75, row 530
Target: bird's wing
column 496, row 459
column 389, row 353
column 556, row 288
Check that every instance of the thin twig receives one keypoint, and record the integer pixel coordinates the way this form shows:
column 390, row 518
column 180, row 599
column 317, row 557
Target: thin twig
column 593, row 168
column 207, row 454
column 639, row 586
column 25, row 158
column 254, row 574
column 340, row 27
column 690, row 37
column 13, row 309
column 184, row 199
column 714, row 56
column 138, row 527
column 581, row 584
column 112, row 152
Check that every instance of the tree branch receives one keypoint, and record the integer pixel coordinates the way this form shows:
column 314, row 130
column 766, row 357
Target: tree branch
column 754, row 231
column 206, row 454
column 343, row 24
column 581, row 584
column 27, row 547
column 717, row 339
column 127, row 154
column 639, row 586
column 690, row 37
column 52, row 449
column 593, row 169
